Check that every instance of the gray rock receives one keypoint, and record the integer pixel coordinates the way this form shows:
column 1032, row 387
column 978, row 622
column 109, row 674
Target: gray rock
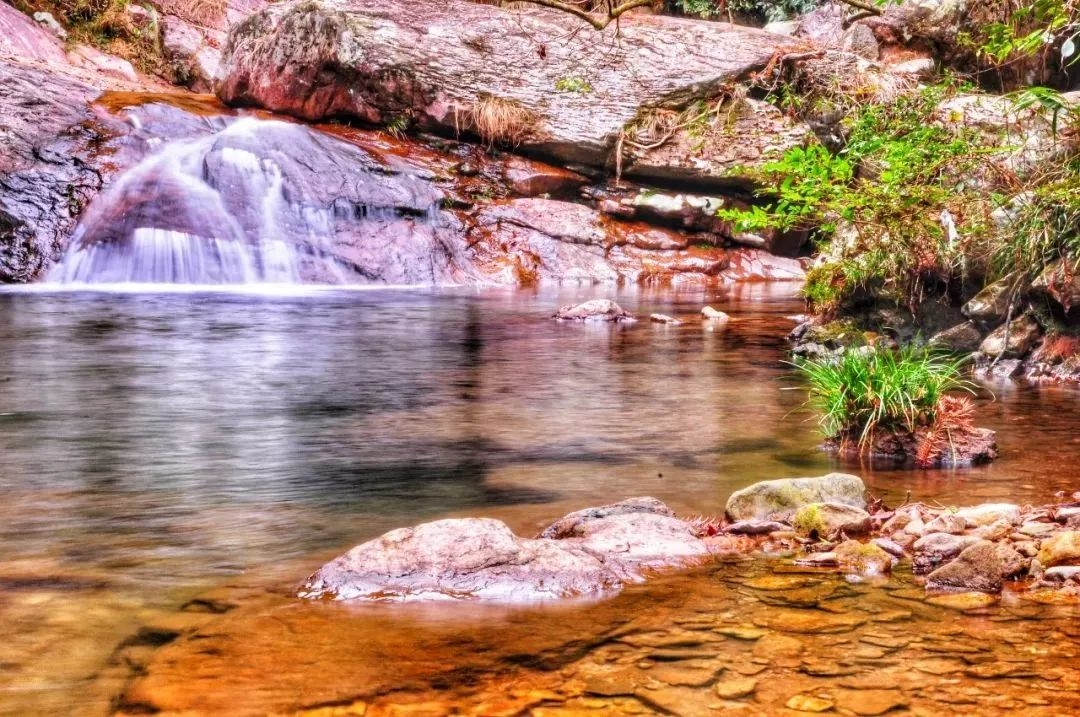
column 946, row 523
column 989, row 513
column 46, row 20
column 373, row 62
column 962, row 338
column 935, row 549
column 989, row 307
column 1023, row 332
column 479, row 558
column 860, row 40
column 663, row 319
column 574, row 524
column 594, row 310
column 710, row 313
column 983, row 567
column 193, row 53
column 779, row 499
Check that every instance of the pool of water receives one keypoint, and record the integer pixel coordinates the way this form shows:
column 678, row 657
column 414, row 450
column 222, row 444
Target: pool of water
column 161, row 446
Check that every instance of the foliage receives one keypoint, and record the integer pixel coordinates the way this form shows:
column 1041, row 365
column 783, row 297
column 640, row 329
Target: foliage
column 866, row 389
column 761, row 10
column 573, row 84
column 892, row 201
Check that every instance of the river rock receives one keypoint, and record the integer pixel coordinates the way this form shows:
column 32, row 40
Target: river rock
column 663, row 319
column 91, row 58
column 779, row 499
column 594, row 310
column 529, row 178
column 457, row 66
column 989, row 513
column 826, row 519
column 947, row 523
column 961, row 338
column 193, row 53
column 864, row 559
column 480, row 558
column 1060, row 549
column 1022, row 335
column 935, row 549
column 989, row 307
column 982, row 567
column 709, row 312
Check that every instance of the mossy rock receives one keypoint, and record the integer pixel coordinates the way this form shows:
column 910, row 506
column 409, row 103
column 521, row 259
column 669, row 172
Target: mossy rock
column 780, row 499
column 825, row 519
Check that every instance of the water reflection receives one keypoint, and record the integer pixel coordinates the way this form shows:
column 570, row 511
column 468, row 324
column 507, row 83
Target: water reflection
column 157, row 444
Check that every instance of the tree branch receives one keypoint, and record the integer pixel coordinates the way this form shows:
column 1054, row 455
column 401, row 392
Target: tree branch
column 864, row 6
column 599, row 22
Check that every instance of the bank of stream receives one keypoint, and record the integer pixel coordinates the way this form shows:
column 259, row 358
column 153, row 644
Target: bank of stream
column 181, row 460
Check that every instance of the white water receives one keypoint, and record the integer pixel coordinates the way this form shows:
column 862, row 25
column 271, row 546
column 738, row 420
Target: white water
column 249, row 204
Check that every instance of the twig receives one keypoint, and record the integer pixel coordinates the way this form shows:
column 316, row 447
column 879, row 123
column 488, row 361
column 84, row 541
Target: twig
column 599, row 22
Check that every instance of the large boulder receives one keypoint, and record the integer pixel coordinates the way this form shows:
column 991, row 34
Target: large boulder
column 780, row 499
column 521, row 77
column 588, row 553
column 47, row 172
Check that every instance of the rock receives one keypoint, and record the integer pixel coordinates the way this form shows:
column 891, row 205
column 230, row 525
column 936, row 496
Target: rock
column 594, row 310
column 1022, row 335
column 193, row 53
column 782, row 27
column 980, row 568
column 946, row 523
column 109, row 65
column 1038, row 530
column 710, row 313
column 47, row 168
column 989, row 307
column 864, row 559
column 1061, row 573
column 46, row 20
column 779, row 499
column 826, row 519
column 959, row 601
column 806, row 703
column 1059, row 285
column 479, row 558
column 663, row 319
column 22, row 37
column 454, row 70
column 735, row 688
column 962, row 338
column 1060, row 549
column 920, row 67
column 890, row 546
column 528, row 178
column 989, row 513
column 818, row 560
column 142, row 17
column 756, row 527
column 870, row 701
column 1002, row 369
column 935, row 549
column 859, row 40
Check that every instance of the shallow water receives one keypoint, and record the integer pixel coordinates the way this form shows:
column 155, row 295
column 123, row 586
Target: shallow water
column 159, row 446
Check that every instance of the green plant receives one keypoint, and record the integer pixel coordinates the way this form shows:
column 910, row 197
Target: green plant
column 573, row 84
column 867, row 389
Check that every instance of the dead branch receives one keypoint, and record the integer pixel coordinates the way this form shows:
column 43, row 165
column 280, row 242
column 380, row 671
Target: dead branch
column 598, row 21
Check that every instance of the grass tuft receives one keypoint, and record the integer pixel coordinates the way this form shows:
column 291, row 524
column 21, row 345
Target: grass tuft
column 501, row 121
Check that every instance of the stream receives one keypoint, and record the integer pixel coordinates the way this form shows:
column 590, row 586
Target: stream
column 178, row 460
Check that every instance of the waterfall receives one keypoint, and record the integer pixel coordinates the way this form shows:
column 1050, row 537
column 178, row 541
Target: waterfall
column 258, row 201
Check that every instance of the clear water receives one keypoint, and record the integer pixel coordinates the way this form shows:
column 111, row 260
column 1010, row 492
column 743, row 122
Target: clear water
column 159, row 445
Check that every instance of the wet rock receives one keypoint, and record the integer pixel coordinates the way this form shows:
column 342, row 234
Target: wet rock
column 780, row 499
column 756, row 527
column 450, row 70
column 1060, row 549
column 995, row 531
column 983, row 567
column 935, row 549
column 988, row 513
column 947, row 523
column 1061, row 573
column 599, row 550
column 774, row 648
column 1059, row 285
column 576, row 524
column 827, row 519
column 957, row 601
column 807, row 703
column 663, row 319
column 962, row 338
column 736, row 688
column 1022, row 335
column 989, row 307
column 890, row 546
column 809, row 622
column 710, row 313
column 528, row 178
column 47, row 167
column 193, row 53
column 870, row 701
column 1002, row 369
column 594, row 310
column 864, row 559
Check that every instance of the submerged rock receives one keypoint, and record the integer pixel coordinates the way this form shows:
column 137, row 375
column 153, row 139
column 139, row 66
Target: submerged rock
column 590, row 553
column 780, row 499
column 594, row 310
column 864, row 559
column 1060, row 549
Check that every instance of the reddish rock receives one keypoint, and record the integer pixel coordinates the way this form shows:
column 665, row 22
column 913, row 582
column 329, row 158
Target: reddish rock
column 22, row 37
column 528, row 178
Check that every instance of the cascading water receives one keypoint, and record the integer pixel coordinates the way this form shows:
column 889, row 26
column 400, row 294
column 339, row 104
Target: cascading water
column 258, row 201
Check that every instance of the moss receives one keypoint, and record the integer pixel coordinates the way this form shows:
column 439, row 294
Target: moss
column 809, row 521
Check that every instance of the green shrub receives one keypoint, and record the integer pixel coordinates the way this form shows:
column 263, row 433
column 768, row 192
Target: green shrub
column 868, row 389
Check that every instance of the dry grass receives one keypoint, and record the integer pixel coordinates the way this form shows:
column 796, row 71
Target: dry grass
column 953, row 417
column 207, row 13
column 1057, row 348
column 501, row 121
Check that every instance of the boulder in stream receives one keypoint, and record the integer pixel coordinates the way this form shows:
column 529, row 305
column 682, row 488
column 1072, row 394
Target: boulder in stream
column 780, row 499
column 589, row 553
column 594, row 310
